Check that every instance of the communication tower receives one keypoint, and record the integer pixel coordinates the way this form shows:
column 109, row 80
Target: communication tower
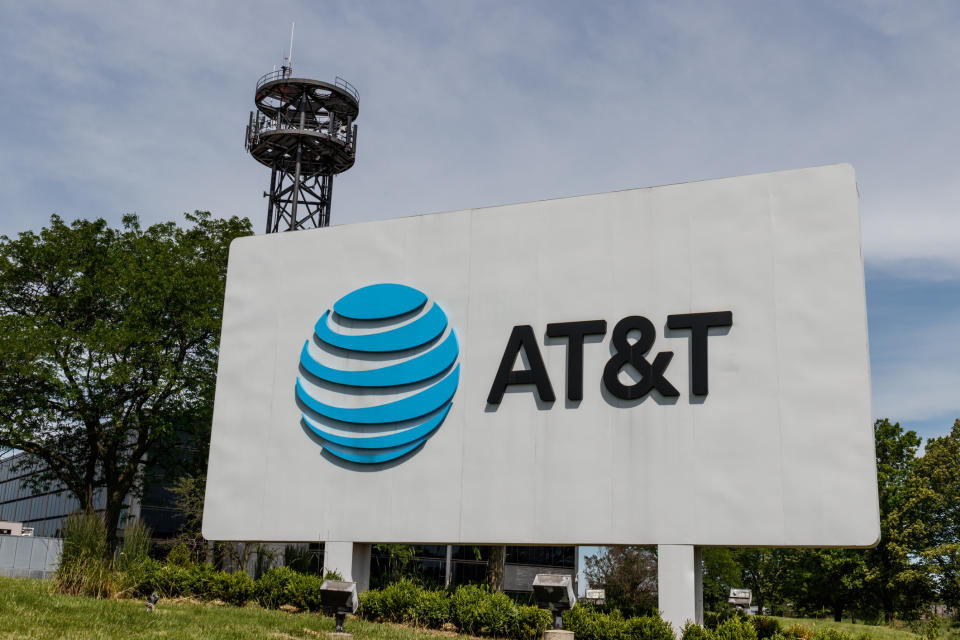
column 304, row 130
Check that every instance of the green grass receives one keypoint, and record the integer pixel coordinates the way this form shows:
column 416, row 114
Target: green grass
column 876, row 632
column 28, row 609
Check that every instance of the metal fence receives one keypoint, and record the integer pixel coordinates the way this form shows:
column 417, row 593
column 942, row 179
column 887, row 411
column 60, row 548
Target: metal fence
column 29, row 557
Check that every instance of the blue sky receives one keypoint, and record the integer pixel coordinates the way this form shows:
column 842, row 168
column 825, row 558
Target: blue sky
column 111, row 107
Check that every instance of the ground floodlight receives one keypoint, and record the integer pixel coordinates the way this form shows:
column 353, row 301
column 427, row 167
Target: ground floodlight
column 554, row 593
column 338, row 598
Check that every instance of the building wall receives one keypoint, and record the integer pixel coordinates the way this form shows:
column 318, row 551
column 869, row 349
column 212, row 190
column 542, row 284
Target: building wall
column 29, row 557
column 44, row 510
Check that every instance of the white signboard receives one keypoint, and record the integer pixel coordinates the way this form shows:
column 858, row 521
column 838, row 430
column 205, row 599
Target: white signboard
column 676, row 365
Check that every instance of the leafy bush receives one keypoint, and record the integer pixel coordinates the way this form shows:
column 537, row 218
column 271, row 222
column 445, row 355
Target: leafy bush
column 179, row 556
column 472, row 609
column 466, row 608
column 735, row 628
column 649, row 628
column 232, row 588
column 371, row 605
column 712, row 619
column 830, row 633
column 143, row 576
column 433, row 609
column 693, row 631
column 272, row 588
column 764, row 626
column 798, row 632
column 303, row 591
column 498, row 615
column 587, row 624
column 531, row 623
column 400, row 601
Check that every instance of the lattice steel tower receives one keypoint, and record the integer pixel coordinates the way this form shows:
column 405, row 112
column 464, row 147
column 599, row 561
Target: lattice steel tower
column 304, row 131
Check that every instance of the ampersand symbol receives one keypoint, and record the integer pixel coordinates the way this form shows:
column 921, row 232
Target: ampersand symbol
column 634, row 354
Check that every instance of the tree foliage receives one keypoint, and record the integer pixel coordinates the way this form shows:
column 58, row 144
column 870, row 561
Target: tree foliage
column 109, row 341
column 628, row 574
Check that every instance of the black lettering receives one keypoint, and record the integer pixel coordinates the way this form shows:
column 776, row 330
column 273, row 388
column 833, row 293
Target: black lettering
column 698, row 323
column 521, row 338
column 575, row 332
column 633, row 354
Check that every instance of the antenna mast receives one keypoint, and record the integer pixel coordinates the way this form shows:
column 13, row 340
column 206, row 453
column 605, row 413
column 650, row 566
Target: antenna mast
column 290, row 55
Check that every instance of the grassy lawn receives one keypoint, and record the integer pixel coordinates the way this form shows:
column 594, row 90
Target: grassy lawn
column 876, row 632
column 29, row 610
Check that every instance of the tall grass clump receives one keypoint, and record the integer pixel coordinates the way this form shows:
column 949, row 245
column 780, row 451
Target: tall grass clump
column 84, row 566
column 135, row 548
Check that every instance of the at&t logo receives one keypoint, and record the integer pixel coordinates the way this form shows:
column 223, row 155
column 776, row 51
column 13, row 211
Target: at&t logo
column 379, row 374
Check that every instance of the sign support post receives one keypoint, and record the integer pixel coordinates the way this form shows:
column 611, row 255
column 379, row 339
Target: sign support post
column 680, row 584
column 351, row 560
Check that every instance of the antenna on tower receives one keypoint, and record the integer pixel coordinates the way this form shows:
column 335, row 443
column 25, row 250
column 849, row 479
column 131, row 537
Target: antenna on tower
column 288, row 61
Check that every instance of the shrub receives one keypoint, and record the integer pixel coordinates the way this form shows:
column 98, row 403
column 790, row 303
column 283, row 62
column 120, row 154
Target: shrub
column 764, row 626
column 693, row 631
column 498, row 615
column 466, row 607
column 371, row 605
column 798, row 632
column 830, row 633
column 735, row 628
column 400, row 601
column 712, row 619
column 433, row 609
column 594, row 625
column 179, row 556
column 202, row 578
column 649, row 628
column 232, row 588
column 173, row 581
column 271, row 589
column 144, row 576
column 303, row 591
column 531, row 623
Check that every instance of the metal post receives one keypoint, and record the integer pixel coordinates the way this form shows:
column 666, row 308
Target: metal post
column 448, row 574
column 328, row 199
column 296, row 177
column 272, row 195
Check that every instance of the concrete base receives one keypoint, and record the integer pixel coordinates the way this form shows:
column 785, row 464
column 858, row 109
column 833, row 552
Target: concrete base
column 351, row 560
column 557, row 634
column 680, row 584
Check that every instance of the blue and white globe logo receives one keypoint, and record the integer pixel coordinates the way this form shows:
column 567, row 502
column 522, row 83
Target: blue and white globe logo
column 378, row 376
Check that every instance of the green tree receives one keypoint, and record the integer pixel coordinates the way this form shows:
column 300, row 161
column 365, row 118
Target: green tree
column 628, row 574
column 896, row 582
column 818, row 579
column 721, row 572
column 938, row 473
column 109, row 342
column 763, row 572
